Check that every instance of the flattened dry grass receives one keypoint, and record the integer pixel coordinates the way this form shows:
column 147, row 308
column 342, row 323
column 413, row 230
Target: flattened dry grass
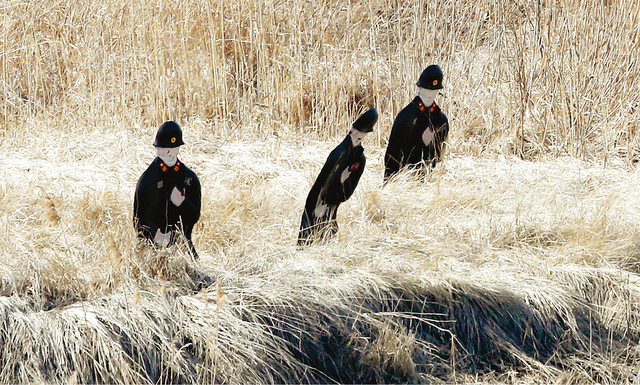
column 480, row 272
column 514, row 261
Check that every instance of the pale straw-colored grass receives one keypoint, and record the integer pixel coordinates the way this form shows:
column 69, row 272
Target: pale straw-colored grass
column 491, row 266
column 516, row 260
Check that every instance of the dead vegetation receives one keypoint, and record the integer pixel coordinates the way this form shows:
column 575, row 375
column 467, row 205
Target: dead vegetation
column 514, row 261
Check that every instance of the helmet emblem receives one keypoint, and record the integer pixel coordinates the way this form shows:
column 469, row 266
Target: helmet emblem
column 435, row 82
column 173, row 140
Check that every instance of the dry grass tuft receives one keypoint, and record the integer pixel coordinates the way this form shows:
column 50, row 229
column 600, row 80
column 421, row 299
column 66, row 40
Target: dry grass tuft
column 50, row 212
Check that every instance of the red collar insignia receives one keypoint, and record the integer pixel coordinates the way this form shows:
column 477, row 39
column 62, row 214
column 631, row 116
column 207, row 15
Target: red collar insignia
column 422, row 107
column 165, row 168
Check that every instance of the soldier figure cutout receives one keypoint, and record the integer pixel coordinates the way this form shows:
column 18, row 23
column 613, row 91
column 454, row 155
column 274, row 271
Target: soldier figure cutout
column 167, row 200
column 420, row 130
column 335, row 183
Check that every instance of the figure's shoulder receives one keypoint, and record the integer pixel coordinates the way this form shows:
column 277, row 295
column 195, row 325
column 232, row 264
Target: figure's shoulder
column 334, row 155
column 152, row 171
column 410, row 109
column 437, row 116
column 340, row 149
column 189, row 173
column 408, row 113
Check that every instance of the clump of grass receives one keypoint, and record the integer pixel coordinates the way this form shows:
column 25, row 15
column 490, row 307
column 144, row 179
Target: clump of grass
column 346, row 328
column 50, row 212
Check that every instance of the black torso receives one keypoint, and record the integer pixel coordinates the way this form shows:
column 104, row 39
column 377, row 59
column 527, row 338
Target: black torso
column 153, row 208
column 329, row 189
column 406, row 147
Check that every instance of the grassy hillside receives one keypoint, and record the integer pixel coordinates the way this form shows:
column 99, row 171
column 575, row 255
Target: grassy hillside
column 516, row 260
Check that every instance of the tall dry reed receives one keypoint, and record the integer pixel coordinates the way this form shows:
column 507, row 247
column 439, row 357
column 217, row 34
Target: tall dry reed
column 493, row 269
column 525, row 78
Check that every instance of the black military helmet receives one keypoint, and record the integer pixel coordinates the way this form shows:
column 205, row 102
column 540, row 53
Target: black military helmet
column 431, row 78
column 169, row 135
column 366, row 121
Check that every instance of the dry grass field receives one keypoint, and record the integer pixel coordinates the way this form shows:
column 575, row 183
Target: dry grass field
column 517, row 260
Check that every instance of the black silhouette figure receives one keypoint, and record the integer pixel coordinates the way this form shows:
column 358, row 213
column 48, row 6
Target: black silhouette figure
column 335, row 183
column 168, row 197
column 420, row 130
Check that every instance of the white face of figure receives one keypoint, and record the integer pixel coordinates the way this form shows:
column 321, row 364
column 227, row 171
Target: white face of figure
column 168, row 155
column 357, row 136
column 428, row 96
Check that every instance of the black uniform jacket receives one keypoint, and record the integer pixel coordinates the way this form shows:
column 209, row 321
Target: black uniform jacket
column 328, row 188
column 406, row 147
column 152, row 206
